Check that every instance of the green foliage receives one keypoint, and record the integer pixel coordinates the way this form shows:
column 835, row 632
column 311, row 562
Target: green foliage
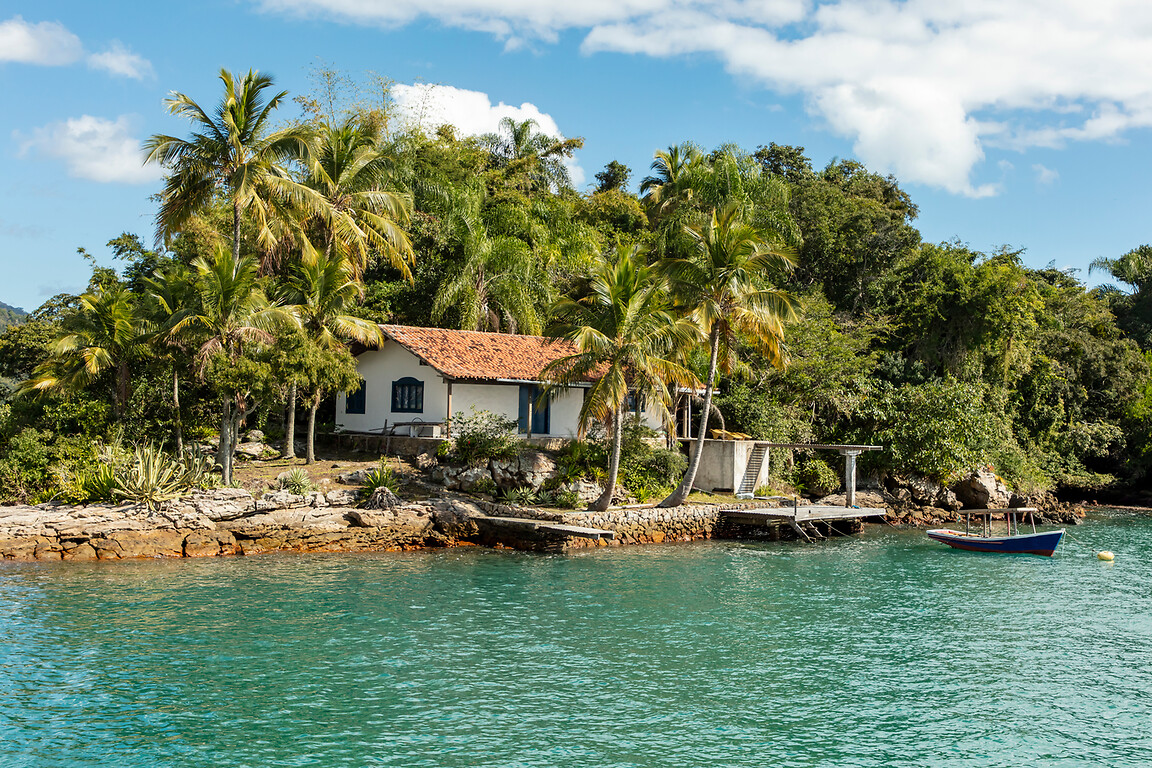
column 298, row 481
column 486, row 486
column 521, row 497
column 815, row 478
column 381, row 477
column 151, row 478
column 484, row 435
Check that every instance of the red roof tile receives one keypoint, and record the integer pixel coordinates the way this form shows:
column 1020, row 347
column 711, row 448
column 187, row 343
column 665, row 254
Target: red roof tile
column 479, row 355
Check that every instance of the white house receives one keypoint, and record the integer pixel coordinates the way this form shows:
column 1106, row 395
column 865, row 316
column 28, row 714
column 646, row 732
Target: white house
column 421, row 377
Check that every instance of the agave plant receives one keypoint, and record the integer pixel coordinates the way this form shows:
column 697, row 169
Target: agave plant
column 381, row 477
column 521, row 497
column 153, row 478
column 98, row 483
column 297, row 481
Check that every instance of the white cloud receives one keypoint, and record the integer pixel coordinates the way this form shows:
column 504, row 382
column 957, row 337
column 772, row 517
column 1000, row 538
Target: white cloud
column 49, row 42
column 923, row 87
column 118, row 60
column 1044, row 175
column 472, row 113
column 94, row 148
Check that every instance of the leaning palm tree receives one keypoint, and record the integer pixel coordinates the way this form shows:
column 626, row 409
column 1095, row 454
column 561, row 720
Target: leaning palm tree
column 719, row 285
column 106, row 333
column 626, row 339
column 231, row 312
column 346, row 165
column 232, row 154
column 319, row 294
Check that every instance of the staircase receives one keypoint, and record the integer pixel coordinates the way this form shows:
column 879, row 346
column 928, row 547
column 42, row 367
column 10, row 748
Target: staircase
column 752, row 471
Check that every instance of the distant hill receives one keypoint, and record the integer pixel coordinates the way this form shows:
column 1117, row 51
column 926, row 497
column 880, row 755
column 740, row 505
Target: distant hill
column 10, row 315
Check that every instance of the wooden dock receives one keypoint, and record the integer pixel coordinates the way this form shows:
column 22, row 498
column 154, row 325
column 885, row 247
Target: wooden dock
column 800, row 518
column 547, row 526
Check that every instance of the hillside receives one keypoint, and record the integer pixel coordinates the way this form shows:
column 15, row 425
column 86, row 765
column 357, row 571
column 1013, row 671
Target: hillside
column 10, row 315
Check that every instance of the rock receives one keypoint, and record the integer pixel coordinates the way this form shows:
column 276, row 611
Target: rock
column 982, row 490
column 355, row 477
column 342, row 497
column 254, row 436
column 209, row 544
column 122, row 544
column 281, row 500
column 215, row 505
column 587, row 491
column 250, row 450
column 317, row 499
column 923, row 490
column 425, row 461
column 382, row 498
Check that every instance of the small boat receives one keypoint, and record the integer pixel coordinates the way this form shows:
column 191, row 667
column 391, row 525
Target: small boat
column 1014, row 542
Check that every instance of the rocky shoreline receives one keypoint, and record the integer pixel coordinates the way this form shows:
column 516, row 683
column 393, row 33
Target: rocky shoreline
column 232, row 521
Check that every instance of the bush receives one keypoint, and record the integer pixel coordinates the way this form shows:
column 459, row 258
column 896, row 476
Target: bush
column 646, row 470
column 153, row 478
column 815, row 478
column 520, row 497
column 485, row 435
column 487, row 486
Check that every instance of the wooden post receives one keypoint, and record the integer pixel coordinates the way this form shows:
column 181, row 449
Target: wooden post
column 448, row 417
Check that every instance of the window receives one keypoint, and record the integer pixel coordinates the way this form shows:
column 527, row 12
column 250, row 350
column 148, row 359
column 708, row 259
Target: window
column 634, row 403
column 541, row 415
column 356, row 401
column 408, row 395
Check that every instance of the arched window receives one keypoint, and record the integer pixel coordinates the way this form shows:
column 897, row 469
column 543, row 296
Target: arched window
column 408, row 395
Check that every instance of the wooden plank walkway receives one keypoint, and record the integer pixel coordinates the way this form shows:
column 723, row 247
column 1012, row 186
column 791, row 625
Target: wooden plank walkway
column 800, row 514
column 549, row 527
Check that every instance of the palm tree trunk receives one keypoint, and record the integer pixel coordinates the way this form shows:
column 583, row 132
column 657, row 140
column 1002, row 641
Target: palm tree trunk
column 224, row 450
column 677, row 497
column 176, row 410
column 122, row 388
column 605, row 499
column 310, row 456
column 290, row 427
column 236, row 230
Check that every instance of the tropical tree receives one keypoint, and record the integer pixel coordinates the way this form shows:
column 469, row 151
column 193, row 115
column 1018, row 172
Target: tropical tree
column 346, row 165
column 319, row 293
column 173, row 295
column 669, row 185
column 531, row 159
column 492, row 289
column 232, row 155
column 104, row 333
column 231, row 313
column 626, row 338
column 721, row 287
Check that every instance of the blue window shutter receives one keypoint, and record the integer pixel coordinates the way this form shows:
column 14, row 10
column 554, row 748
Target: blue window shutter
column 356, row 401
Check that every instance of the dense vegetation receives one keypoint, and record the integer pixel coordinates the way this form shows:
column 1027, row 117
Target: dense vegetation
column 805, row 294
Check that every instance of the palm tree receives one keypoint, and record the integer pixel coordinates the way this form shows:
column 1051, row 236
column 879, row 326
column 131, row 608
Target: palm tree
column 319, row 293
column 671, row 181
column 493, row 288
column 347, row 167
column 234, row 155
column 536, row 158
column 104, row 334
column 626, row 337
column 719, row 285
column 172, row 292
column 231, row 312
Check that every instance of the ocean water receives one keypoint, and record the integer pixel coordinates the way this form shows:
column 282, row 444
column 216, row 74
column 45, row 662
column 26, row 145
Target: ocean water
column 878, row 650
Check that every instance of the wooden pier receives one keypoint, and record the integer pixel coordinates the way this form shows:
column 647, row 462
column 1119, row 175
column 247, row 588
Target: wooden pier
column 800, row 518
column 546, row 526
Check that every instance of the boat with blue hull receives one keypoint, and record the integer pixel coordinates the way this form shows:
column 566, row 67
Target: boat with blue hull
column 1013, row 542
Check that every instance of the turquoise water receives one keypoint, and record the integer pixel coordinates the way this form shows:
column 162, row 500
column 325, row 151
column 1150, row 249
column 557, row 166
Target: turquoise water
column 884, row 649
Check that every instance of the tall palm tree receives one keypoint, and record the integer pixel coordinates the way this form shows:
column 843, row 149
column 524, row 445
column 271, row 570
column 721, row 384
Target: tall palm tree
column 720, row 286
column 232, row 154
column 105, row 333
column 319, row 294
column 626, row 337
column 346, row 165
column 670, row 183
column 231, row 312
column 493, row 289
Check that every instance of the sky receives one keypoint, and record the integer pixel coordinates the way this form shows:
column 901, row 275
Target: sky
column 1019, row 123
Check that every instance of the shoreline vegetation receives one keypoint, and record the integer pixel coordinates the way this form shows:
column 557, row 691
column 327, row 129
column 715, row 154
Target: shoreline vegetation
column 799, row 304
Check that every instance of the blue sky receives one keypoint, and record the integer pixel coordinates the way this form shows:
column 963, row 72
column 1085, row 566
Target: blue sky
column 1011, row 122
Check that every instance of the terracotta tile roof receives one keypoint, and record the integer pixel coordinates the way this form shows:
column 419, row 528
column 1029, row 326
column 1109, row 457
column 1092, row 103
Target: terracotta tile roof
column 477, row 355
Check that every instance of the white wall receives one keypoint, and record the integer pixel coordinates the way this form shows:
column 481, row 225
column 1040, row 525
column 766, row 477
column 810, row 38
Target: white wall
column 381, row 367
